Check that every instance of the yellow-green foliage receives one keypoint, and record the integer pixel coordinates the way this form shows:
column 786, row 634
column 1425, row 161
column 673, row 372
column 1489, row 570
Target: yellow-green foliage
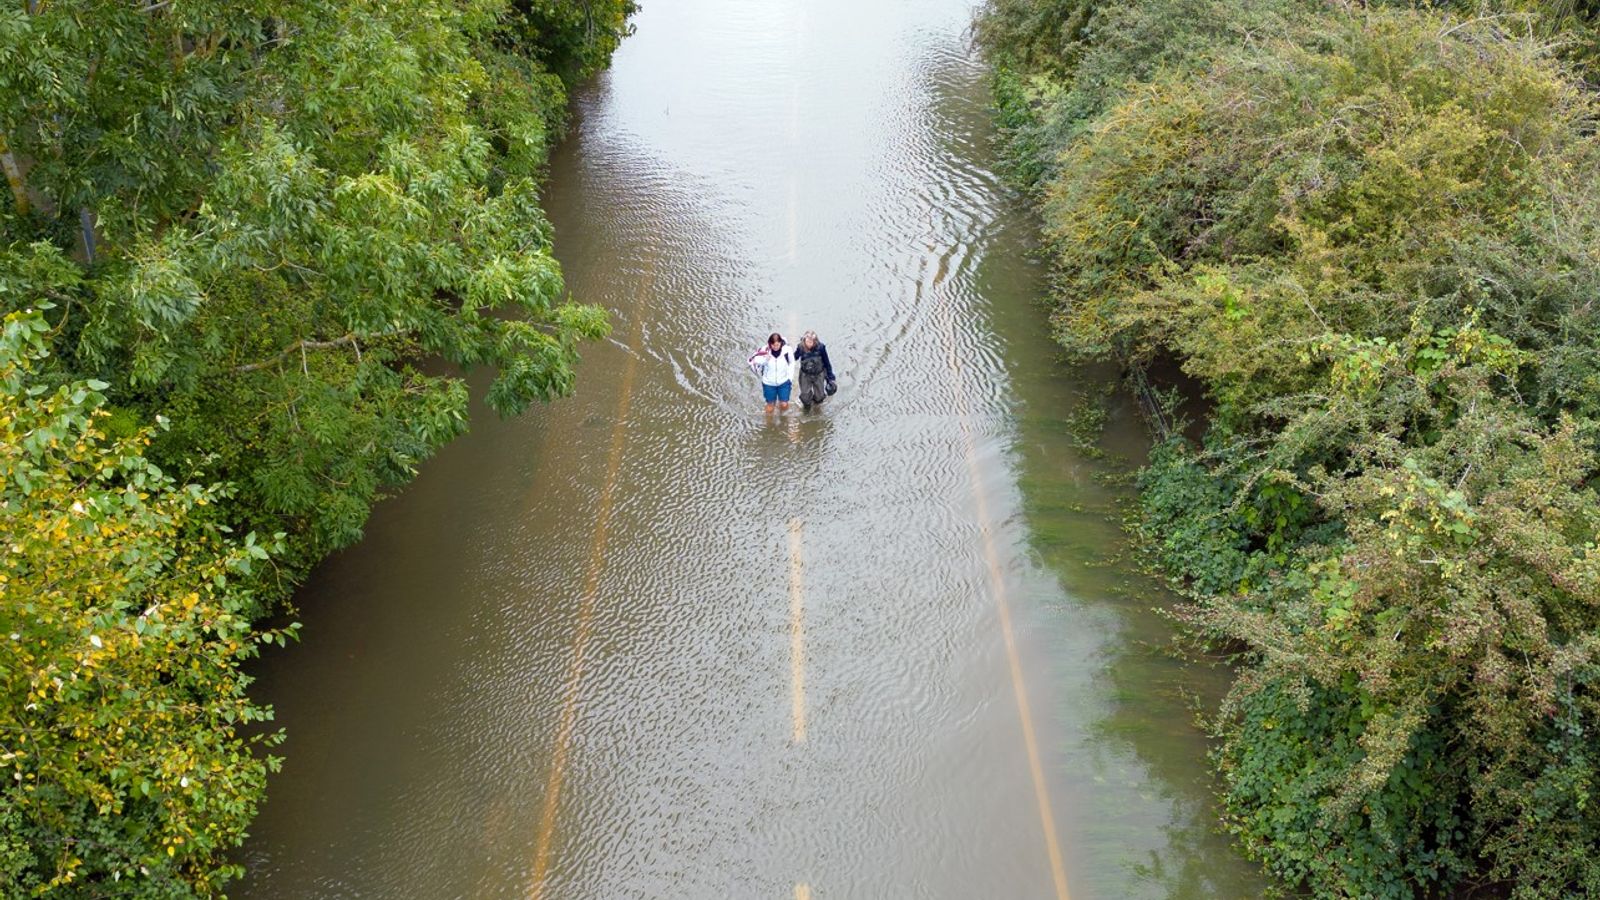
column 1373, row 237
column 122, row 625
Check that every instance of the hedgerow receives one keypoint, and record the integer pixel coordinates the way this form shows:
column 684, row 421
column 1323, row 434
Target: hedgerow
column 1372, row 235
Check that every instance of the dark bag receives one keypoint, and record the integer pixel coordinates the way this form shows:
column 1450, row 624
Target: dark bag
column 833, row 387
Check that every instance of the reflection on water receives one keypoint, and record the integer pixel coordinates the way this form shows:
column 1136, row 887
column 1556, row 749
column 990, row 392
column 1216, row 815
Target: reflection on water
column 1145, row 787
column 618, row 595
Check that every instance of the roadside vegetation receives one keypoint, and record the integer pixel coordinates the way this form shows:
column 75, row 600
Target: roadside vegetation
column 243, row 251
column 1371, row 234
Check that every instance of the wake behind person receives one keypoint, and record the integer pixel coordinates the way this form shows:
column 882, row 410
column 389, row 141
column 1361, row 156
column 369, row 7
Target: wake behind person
column 816, row 371
column 774, row 363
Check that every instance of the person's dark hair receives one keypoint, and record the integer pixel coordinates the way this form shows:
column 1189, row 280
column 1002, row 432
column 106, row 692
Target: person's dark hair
column 775, row 337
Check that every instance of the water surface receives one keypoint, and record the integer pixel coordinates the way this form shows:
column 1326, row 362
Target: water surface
column 648, row 642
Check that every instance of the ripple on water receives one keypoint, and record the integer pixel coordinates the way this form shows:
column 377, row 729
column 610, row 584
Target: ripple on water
column 746, row 166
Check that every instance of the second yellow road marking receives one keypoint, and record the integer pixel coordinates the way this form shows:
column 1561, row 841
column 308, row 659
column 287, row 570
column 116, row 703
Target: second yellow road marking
column 797, row 636
column 586, row 611
column 997, row 583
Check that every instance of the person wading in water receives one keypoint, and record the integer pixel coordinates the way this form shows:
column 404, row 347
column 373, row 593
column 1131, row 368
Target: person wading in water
column 774, row 363
column 816, row 371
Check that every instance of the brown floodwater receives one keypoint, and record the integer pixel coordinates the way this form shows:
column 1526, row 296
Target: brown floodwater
column 648, row 642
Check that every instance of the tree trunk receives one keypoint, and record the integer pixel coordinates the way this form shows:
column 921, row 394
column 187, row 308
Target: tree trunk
column 86, row 235
column 19, row 189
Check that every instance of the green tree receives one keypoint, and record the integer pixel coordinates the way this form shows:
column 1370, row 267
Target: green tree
column 284, row 209
column 260, row 245
column 569, row 37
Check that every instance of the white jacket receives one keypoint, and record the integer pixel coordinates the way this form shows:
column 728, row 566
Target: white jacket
column 774, row 369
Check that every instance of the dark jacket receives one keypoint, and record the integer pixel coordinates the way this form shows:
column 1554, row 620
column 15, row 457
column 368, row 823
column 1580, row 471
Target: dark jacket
column 801, row 354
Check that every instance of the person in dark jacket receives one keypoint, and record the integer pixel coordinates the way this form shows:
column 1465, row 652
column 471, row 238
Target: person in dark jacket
column 816, row 371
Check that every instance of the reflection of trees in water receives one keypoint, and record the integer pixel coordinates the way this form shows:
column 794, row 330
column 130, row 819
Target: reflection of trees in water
column 1073, row 502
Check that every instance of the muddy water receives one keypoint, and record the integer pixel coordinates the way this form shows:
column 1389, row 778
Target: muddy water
column 648, row 642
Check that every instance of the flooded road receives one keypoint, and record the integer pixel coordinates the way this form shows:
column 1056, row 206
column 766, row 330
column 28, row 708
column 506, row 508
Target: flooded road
column 648, row 642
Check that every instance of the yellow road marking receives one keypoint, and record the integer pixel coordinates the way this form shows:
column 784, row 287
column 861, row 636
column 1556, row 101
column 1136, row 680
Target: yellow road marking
column 586, row 609
column 794, row 186
column 793, row 337
column 797, row 637
column 802, row 892
column 997, row 582
column 794, row 218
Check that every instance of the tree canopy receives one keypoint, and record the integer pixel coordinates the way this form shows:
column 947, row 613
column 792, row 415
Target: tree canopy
column 256, row 245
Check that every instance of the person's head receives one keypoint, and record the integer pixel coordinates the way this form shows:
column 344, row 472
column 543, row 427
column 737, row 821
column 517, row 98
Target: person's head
column 810, row 340
column 775, row 341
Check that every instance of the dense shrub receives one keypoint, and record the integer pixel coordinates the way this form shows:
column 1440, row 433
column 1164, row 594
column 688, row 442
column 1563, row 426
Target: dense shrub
column 1373, row 236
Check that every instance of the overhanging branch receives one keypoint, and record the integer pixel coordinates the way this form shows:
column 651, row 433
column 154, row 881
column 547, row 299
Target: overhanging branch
column 300, row 347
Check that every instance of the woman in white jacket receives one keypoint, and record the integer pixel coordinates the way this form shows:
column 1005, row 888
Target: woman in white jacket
column 774, row 363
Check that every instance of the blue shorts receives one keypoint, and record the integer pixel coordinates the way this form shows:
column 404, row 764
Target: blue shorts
column 777, row 392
